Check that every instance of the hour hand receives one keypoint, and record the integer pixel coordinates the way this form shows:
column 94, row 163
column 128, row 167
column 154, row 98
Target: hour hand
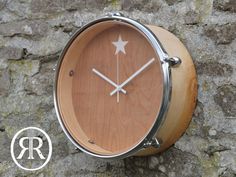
column 107, row 79
column 132, row 76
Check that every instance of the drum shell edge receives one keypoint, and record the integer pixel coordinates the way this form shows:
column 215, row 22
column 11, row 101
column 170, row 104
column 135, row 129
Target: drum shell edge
column 183, row 93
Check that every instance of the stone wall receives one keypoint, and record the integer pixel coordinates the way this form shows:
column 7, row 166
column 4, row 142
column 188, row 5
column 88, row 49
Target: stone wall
column 33, row 33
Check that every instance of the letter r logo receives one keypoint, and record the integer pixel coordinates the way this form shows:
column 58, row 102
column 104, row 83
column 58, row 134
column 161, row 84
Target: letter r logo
column 31, row 147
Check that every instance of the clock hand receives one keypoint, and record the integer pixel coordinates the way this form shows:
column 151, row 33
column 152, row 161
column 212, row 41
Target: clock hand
column 107, row 79
column 132, row 76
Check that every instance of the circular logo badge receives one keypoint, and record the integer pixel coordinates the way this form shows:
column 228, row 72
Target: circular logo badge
column 31, row 148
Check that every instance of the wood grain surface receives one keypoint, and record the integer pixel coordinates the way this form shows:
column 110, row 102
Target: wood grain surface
column 93, row 117
column 184, row 92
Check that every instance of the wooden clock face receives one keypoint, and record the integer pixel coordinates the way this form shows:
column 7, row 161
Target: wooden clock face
column 109, row 88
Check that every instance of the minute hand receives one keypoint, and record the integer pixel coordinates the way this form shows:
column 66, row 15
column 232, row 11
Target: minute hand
column 132, row 76
column 106, row 79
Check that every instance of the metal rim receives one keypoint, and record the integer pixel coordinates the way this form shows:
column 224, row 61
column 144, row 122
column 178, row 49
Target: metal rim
column 166, row 83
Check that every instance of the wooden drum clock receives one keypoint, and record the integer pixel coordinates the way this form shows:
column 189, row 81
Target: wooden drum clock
column 123, row 88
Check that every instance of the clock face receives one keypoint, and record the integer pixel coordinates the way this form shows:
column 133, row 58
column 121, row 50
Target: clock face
column 109, row 88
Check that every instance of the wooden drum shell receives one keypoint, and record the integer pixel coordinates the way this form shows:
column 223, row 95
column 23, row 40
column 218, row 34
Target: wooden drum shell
column 183, row 94
column 182, row 99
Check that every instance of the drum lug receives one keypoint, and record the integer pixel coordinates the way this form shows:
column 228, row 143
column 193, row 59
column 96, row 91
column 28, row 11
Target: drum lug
column 112, row 14
column 173, row 61
column 153, row 142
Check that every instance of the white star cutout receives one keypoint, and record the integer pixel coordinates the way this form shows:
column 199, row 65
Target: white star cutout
column 120, row 45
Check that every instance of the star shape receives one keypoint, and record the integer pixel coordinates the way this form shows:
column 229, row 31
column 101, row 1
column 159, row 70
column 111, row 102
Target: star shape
column 120, row 45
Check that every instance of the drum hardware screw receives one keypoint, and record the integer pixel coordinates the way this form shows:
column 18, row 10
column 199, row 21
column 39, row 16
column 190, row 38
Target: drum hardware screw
column 110, row 14
column 153, row 142
column 71, row 73
column 174, row 61
column 91, row 141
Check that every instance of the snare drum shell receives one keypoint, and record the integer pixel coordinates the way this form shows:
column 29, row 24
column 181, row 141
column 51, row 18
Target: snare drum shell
column 183, row 95
column 181, row 105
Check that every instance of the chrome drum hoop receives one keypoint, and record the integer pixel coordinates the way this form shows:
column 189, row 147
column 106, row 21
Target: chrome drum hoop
column 165, row 66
